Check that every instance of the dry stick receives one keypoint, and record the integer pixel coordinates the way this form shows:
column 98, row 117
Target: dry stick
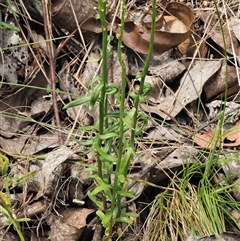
column 51, row 58
column 60, row 47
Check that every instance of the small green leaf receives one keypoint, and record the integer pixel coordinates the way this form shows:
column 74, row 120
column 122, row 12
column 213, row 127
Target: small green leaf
column 112, row 128
column 100, row 214
column 4, row 25
column 125, row 161
column 95, row 95
column 94, row 80
column 23, row 219
column 126, row 194
column 89, row 128
column 144, row 118
column 85, row 142
column 111, row 89
column 113, row 114
column 95, row 200
column 99, row 189
column 84, row 153
column 109, row 53
column 121, row 178
column 147, row 88
column 91, row 169
column 4, row 164
column 104, row 155
column 103, row 186
column 133, row 95
column 101, row 182
column 107, row 136
column 110, row 37
column 138, row 75
column 108, row 145
column 142, row 99
column 128, row 119
column 105, row 218
column 124, row 220
column 115, row 212
column 77, row 102
column 131, row 214
column 20, row 180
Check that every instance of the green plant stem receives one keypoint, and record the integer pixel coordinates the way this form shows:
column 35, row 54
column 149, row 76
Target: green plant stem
column 103, row 100
column 116, row 197
column 116, row 200
column 144, row 72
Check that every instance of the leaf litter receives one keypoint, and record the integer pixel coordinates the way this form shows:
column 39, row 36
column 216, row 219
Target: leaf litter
column 188, row 68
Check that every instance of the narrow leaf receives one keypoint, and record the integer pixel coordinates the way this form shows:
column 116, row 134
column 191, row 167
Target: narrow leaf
column 77, row 102
column 104, row 155
column 95, row 95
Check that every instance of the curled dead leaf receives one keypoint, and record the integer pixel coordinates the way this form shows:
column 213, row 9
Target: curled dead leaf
column 172, row 28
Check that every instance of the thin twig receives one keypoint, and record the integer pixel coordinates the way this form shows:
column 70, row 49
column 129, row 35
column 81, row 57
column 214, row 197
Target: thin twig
column 51, row 57
column 60, row 47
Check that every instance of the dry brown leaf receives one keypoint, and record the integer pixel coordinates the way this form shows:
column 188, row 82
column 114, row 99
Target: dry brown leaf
column 215, row 87
column 193, row 44
column 225, row 43
column 189, row 90
column 45, row 180
column 235, row 24
column 175, row 161
column 232, row 135
column 172, row 28
column 162, row 66
column 63, row 16
column 14, row 61
column 205, row 140
column 69, row 225
column 21, row 101
column 40, row 143
column 232, row 110
column 167, row 68
column 164, row 133
column 210, row 139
